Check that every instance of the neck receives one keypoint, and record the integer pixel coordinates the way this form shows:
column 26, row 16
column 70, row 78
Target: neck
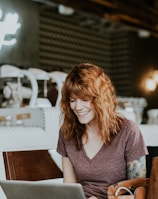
column 91, row 128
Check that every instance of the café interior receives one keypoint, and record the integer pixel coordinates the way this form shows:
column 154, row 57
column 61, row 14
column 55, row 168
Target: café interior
column 40, row 41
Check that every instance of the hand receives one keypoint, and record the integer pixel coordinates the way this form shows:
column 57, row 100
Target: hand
column 92, row 197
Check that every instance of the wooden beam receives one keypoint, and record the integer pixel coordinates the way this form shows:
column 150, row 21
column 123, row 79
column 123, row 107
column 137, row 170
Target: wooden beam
column 129, row 13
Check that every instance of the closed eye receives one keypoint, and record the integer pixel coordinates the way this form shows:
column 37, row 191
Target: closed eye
column 72, row 100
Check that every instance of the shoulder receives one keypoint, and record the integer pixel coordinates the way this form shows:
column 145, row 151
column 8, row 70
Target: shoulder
column 130, row 130
column 130, row 125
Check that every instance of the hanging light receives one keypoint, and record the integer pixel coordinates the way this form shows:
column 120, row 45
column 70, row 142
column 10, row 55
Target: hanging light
column 155, row 76
column 150, row 84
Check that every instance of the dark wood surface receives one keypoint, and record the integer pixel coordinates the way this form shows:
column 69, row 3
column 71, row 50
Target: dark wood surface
column 30, row 165
column 133, row 14
column 153, row 186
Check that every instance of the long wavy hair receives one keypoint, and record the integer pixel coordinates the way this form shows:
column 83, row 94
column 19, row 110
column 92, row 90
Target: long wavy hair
column 88, row 81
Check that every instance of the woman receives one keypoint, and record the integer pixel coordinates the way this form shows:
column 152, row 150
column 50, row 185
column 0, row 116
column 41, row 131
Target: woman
column 99, row 147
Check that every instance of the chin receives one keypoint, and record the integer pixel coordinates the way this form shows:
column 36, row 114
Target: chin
column 84, row 121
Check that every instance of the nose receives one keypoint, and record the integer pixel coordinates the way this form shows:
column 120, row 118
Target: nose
column 78, row 104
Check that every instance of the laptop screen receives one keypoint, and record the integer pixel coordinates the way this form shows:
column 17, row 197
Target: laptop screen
column 41, row 190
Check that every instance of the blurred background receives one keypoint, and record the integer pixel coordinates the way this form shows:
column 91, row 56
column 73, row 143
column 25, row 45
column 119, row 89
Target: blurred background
column 119, row 36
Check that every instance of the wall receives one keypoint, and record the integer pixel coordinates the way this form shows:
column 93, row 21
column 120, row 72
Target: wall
column 65, row 41
column 143, row 59
column 143, row 52
column 51, row 41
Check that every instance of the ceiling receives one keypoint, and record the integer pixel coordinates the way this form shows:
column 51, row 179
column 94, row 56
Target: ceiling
column 133, row 14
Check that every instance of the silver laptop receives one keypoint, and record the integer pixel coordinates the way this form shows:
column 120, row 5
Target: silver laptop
column 17, row 189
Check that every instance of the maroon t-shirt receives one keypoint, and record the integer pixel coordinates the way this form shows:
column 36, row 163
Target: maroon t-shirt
column 108, row 166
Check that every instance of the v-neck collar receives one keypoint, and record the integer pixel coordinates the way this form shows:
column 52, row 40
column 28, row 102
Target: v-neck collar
column 95, row 156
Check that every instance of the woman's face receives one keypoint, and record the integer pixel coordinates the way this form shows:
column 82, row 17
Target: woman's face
column 83, row 109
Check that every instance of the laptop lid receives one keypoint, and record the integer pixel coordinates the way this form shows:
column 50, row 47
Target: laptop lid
column 17, row 189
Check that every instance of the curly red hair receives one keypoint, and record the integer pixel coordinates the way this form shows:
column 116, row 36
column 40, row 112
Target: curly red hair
column 90, row 81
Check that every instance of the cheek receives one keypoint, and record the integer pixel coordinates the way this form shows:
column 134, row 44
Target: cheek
column 92, row 114
column 91, row 106
column 72, row 106
column 88, row 104
column 93, row 110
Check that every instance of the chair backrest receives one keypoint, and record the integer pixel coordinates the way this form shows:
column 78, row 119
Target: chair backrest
column 24, row 146
column 59, row 78
column 38, row 132
column 30, row 165
column 153, row 190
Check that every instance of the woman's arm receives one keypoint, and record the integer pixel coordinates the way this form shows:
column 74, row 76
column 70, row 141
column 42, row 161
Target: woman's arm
column 68, row 171
column 136, row 168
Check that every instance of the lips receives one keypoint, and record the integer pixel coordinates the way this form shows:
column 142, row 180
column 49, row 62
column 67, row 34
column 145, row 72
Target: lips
column 83, row 113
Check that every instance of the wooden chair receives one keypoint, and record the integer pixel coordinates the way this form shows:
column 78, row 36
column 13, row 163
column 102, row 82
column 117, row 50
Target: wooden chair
column 153, row 184
column 30, row 165
column 24, row 149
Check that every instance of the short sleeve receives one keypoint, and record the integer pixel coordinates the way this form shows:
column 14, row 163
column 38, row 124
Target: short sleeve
column 61, row 147
column 135, row 146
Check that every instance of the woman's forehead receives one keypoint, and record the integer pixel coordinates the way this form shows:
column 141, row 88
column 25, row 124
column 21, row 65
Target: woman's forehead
column 76, row 90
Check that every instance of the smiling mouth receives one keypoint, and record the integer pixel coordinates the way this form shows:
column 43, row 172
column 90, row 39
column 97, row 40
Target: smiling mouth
column 82, row 113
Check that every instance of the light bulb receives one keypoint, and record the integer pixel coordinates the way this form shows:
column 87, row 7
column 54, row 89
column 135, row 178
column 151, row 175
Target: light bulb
column 150, row 84
column 155, row 76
